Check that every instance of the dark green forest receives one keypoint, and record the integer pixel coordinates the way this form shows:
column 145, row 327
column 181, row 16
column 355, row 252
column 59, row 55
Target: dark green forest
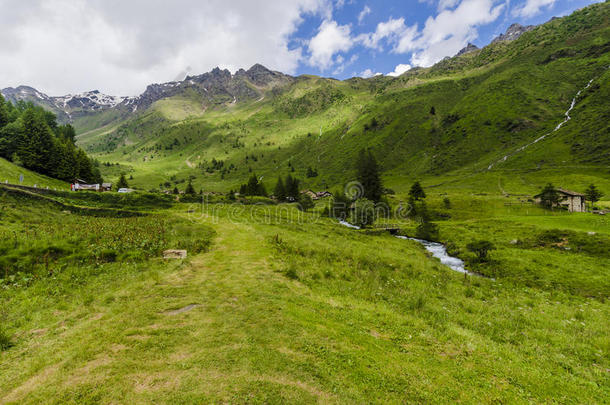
column 31, row 137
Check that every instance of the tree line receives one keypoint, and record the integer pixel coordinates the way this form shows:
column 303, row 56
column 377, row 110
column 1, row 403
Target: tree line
column 31, row 137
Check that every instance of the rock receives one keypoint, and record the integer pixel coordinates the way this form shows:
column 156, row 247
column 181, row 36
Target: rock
column 468, row 49
column 182, row 310
column 513, row 32
column 514, row 242
column 174, row 254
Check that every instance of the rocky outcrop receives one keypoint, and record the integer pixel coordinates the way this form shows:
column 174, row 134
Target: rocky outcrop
column 468, row 49
column 513, row 32
column 218, row 86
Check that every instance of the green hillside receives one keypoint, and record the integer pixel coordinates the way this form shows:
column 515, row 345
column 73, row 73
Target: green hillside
column 9, row 172
column 458, row 117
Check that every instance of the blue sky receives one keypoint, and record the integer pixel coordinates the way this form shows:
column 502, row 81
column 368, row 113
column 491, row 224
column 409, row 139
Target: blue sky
column 457, row 23
column 121, row 46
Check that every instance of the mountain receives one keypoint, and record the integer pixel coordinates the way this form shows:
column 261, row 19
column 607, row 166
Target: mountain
column 468, row 49
column 484, row 110
column 513, row 32
column 216, row 87
column 66, row 107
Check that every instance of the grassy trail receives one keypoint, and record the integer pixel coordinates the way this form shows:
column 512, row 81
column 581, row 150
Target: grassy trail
column 187, row 328
column 389, row 325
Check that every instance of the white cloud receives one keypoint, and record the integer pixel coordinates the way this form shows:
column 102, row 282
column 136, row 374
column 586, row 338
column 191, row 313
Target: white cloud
column 119, row 47
column 532, row 7
column 365, row 11
column 400, row 69
column 369, row 73
column 445, row 4
column 389, row 30
column 331, row 39
column 344, row 64
column 448, row 32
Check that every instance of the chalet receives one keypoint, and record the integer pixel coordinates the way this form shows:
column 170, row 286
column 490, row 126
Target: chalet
column 81, row 185
column 316, row 195
column 570, row 200
column 573, row 201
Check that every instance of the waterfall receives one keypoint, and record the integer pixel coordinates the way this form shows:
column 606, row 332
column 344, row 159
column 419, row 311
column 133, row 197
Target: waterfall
column 557, row 128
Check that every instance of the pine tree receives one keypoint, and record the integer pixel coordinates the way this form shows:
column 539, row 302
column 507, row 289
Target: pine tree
column 593, row 194
column 280, row 190
column 10, row 136
column 368, row 176
column 292, row 187
column 122, row 183
column 36, row 145
column 3, row 112
column 305, row 202
column 417, row 192
column 190, row 190
column 549, row 196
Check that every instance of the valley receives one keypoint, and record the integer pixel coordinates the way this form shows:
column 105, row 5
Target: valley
column 442, row 264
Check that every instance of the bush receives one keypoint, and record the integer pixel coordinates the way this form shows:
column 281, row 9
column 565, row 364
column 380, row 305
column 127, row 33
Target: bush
column 364, row 213
column 481, row 248
column 5, row 340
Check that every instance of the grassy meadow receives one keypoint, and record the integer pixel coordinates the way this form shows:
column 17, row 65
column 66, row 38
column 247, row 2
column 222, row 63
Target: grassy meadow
column 275, row 305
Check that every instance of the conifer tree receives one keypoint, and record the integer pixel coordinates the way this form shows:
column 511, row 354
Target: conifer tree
column 3, row 112
column 36, row 143
column 593, row 194
column 280, row 190
column 417, row 192
column 122, row 183
column 368, row 176
column 549, row 196
column 190, row 190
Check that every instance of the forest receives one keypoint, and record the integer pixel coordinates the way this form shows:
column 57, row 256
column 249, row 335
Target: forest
column 31, row 137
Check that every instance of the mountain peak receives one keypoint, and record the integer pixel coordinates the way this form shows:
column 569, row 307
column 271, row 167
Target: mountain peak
column 468, row 49
column 513, row 32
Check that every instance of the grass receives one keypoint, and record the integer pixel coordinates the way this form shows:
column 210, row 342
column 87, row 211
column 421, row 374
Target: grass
column 289, row 307
column 487, row 105
column 10, row 172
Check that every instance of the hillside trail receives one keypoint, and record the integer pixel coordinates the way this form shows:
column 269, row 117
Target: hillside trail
column 200, row 327
column 566, row 118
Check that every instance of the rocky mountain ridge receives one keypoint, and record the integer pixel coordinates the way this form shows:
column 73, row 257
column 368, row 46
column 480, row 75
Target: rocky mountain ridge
column 219, row 86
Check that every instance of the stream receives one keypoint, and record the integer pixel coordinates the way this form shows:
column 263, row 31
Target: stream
column 438, row 250
column 566, row 118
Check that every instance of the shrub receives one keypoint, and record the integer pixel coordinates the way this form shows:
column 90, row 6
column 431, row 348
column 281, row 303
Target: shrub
column 481, row 248
column 5, row 340
column 364, row 213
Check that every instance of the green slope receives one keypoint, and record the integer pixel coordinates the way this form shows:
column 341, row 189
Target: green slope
column 9, row 172
column 487, row 104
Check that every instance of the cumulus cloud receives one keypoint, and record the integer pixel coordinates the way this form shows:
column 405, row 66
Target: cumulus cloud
column 369, row 73
column 119, row 47
column 365, row 11
column 532, row 7
column 448, row 32
column 389, row 30
column 331, row 39
column 400, row 69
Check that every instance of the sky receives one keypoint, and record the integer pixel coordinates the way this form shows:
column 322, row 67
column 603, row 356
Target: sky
column 120, row 46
